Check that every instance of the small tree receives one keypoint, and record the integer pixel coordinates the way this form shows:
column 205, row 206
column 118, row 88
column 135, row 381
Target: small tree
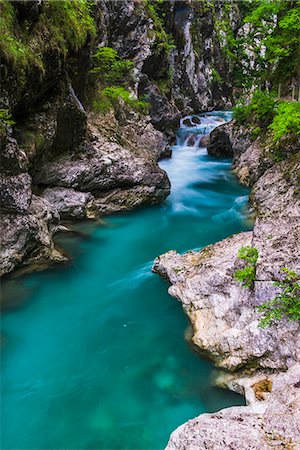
column 247, row 275
column 284, row 304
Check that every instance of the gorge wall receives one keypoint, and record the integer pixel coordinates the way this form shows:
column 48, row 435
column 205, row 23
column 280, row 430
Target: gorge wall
column 62, row 160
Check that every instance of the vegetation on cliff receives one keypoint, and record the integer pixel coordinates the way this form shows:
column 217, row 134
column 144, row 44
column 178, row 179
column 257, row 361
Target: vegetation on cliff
column 29, row 32
column 284, row 304
column 271, row 117
column 111, row 76
column 247, row 274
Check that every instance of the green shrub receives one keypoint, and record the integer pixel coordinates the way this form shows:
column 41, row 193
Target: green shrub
column 216, row 77
column 286, row 120
column 263, row 105
column 113, row 97
column 285, row 304
column 261, row 110
column 255, row 132
column 247, row 275
column 109, row 68
column 241, row 113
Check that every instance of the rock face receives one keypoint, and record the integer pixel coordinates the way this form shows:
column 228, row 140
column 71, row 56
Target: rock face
column 266, row 423
column 83, row 176
column 224, row 316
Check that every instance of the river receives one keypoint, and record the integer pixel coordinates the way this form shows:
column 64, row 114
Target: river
column 94, row 355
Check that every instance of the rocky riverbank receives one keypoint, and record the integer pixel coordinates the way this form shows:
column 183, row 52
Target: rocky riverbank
column 103, row 168
column 224, row 316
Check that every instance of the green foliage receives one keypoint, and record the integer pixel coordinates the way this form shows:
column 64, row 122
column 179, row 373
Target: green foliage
column 241, row 112
column 285, row 304
column 5, row 119
column 266, row 114
column 216, row 76
column 247, row 275
column 60, row 26
column 277, row 23
column 286, row 120
column 255, row 132
column 109, row 68
column 261, row 109
column 115, row 97
column 112, row 75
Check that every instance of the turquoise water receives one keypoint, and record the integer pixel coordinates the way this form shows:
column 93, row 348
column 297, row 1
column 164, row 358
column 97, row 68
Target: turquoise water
column 94, row 356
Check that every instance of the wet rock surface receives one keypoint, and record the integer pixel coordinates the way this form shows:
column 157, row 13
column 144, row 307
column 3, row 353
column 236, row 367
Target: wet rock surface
column 27, row 238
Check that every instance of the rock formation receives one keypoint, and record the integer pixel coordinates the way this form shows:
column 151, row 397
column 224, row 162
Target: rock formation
column 270, row 419
column 223, row 313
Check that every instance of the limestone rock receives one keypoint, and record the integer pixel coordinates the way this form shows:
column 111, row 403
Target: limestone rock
column 219, row 143
column 13, row 160
column 15, row 193
column 222, row 313
column 27, row 239
column 276, row 193
column 263, row 425
column 116, row 200
column 71, row 124
column 103, row 166
column 69, row 203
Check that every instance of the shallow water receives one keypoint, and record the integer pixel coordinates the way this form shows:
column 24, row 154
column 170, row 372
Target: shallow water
column 95, row 356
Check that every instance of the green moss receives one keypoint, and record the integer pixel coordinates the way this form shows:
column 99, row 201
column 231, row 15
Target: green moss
column 5, row 119
column 60, row 26
column 216, row 76
column 255, row 132
column 164, row 42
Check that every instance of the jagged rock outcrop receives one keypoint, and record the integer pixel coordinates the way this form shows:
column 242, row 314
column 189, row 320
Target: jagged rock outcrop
column 271, row 419
column 89, row 176
column 27, row 238
column 223, row 314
